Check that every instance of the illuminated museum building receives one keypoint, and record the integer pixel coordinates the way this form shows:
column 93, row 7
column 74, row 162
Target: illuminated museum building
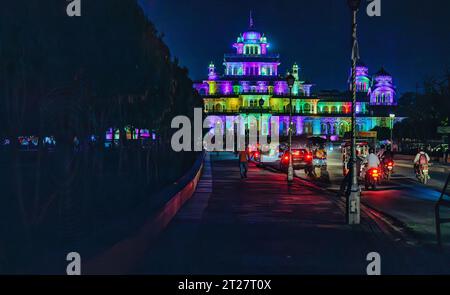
column 251, row 85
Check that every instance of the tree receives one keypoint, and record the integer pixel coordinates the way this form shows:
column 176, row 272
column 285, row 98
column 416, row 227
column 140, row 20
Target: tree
column 77, row 77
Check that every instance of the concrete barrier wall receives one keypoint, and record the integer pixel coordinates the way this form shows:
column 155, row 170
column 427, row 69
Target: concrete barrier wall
column 125, row 255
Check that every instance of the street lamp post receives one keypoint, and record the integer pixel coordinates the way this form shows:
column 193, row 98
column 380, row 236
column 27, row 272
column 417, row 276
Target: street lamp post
column 290, row 82
column 353, row 200
column 392, row 116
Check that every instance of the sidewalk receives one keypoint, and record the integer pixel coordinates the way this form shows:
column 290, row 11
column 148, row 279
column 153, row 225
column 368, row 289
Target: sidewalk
column 262, row 226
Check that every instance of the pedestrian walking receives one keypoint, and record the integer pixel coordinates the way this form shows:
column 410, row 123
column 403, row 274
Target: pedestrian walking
column 243, row 163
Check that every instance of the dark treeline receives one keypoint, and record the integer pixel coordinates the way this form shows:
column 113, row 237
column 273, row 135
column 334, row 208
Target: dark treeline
column 426, row 109
column 73, row 77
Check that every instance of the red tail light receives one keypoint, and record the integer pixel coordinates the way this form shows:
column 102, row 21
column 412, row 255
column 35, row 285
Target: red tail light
column 374, row 172
column 256, row 155
column 308, row 157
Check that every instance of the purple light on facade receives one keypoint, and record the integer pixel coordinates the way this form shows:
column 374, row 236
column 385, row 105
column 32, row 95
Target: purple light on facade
column 212, row 72
column 145, row 133
column 263, row 48
column 334, row 137
column 262, row 86
column 281, row 87
column 300, row 123
column 362, row 71
column 239, row 48
column 226, row 87
column 383, row 90
column 245, row 86
column 252, row 36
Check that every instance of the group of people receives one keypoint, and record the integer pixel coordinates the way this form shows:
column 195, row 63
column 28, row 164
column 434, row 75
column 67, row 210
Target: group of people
column 385, row 155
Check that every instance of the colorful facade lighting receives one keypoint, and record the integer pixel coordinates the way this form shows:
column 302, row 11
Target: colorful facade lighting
column 251, row 74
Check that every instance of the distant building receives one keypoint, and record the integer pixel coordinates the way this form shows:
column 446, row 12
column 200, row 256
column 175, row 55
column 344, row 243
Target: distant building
column 252, row 85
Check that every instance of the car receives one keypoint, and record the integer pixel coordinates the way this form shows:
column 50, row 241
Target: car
column 301, row 159
column 270, row 158
column 277, row 157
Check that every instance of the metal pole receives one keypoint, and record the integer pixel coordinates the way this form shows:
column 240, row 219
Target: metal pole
column 261, row 104
column 290, row 168
column 392, row 128
column 353, row 201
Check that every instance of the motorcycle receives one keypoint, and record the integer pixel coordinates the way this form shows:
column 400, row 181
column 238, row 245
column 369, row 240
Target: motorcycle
column 388, row 169
column 423, row 173
column 372, row 178
column 320, row 164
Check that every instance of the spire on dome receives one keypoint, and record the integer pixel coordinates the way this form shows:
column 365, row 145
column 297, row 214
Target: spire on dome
column 251, row 23
column 382, row 72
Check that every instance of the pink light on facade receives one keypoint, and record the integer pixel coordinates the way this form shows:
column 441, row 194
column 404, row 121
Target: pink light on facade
column 383, row 90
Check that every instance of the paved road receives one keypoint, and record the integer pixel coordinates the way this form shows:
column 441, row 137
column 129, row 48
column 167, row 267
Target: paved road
column 402, row 198
column 262, row 226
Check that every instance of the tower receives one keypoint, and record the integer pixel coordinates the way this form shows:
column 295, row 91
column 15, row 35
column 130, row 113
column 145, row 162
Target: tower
column 212, row 72
column 295, row 71
column 383, row 89
column 251, row 57
column 362, row 78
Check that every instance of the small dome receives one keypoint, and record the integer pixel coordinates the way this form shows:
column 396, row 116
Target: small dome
column 252, row 36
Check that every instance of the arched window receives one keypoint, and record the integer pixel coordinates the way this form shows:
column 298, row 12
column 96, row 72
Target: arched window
column 334, row 109
column 307, row 108
column 323, row 128
column 329, row 127
column 326, row 109
column 308, row 127
column 343, row 127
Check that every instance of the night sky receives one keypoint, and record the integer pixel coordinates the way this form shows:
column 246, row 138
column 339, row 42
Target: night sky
column 411, row 38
